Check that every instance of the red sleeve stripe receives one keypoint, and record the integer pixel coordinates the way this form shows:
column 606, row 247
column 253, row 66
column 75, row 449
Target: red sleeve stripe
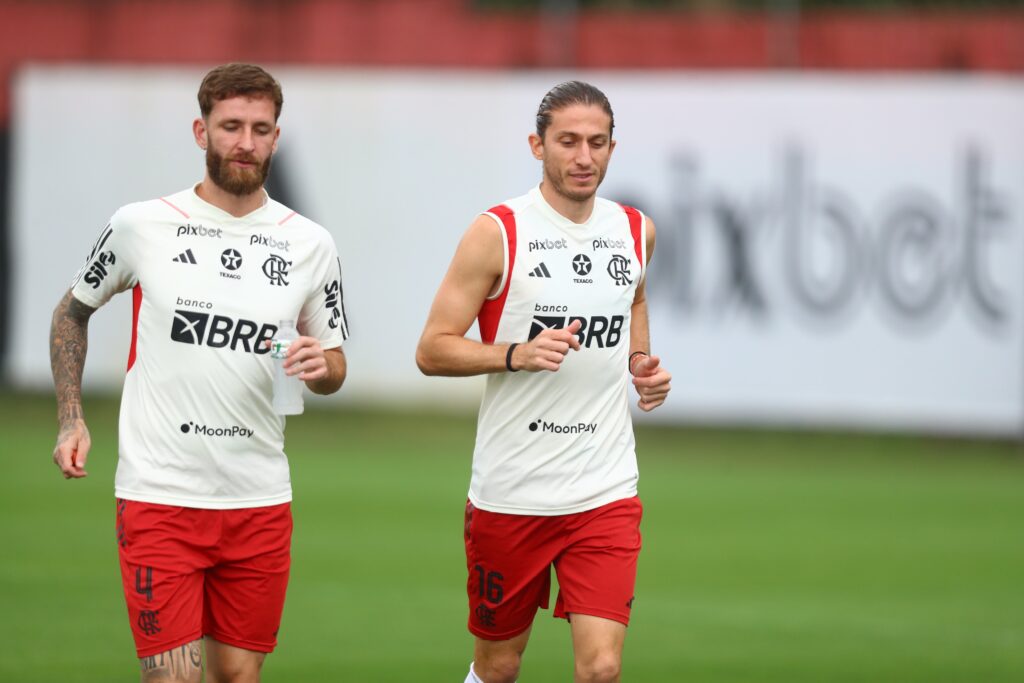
column 136, row 305
column 490, row 312
column 636, row 221
column 287, row 218
column 174, row 207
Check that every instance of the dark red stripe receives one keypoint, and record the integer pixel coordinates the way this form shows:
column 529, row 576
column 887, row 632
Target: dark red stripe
column 635, row 224
column 490, row 312
column 136, row 305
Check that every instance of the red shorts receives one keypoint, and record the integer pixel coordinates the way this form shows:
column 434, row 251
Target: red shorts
column 190, row 573
column 509, row 558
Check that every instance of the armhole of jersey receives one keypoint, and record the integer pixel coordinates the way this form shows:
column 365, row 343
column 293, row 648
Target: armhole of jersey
column 638, row 229
column 136, row 306
column 490, row 312
column 504, row 256
column 643, row 247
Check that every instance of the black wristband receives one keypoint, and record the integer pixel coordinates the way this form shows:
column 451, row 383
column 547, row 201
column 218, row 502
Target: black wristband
column 508, row 357
column 629, row 363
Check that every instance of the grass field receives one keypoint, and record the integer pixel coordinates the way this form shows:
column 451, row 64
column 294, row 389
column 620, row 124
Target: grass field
column 767, row 557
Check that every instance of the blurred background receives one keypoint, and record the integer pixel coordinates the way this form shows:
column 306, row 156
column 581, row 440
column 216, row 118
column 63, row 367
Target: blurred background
column 834, row 488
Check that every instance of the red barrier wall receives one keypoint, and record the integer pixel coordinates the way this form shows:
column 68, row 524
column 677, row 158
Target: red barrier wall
column 451, row 33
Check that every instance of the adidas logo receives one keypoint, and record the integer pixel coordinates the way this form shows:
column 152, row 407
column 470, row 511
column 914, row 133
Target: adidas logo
column 185, row 257
column 540, row 271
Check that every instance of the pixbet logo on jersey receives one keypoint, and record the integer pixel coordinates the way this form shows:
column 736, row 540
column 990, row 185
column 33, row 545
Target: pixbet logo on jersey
column 218, row 331
column 266, row 241
column 189, row 230
column 203, row 430
column 603, row 331
column 608, row 244
column 545, row 244
column 552, row 428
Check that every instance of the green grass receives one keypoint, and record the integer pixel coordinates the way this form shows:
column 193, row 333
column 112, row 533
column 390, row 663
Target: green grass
column 768, row 556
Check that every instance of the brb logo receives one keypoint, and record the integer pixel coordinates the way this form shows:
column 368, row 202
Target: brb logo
column 191, row 427
column 218, row 331
column 605, row 332
column 100, row 268
column 190, row 230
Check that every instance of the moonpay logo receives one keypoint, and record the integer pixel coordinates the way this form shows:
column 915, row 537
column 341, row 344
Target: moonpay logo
column 553, row 428
column 191, row 427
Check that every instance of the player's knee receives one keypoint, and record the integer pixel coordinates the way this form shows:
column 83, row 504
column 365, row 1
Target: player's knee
column 233, row 673
column 163, row 675
column 603, row 667
column 498, row 668
column 237, row 677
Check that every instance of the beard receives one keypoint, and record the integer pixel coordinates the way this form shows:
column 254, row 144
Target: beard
column 560, row 183
column 236, row 181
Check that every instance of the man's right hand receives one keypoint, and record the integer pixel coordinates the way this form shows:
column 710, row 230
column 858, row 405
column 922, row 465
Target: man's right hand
column 547, row 350
column 72, row 449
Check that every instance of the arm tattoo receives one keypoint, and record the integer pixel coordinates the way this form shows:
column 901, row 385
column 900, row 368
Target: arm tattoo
column 69, row 339
column 182, row 663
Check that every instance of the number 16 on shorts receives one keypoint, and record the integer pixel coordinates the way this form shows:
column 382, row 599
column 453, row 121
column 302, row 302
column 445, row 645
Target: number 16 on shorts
column 489, row 584
column 490, row 590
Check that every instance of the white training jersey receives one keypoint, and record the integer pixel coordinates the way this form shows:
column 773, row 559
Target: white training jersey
column 553, row 443
column 196, row 427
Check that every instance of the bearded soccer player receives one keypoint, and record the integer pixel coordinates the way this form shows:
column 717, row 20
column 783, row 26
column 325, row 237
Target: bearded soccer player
column 203, row 490
column 556, row 279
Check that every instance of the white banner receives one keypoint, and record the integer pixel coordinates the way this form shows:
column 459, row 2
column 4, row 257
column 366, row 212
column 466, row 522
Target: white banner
column 831, row 250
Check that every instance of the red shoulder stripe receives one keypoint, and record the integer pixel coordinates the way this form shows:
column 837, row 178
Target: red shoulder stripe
column 635, row 225
column 490, row 313
column 136, row 305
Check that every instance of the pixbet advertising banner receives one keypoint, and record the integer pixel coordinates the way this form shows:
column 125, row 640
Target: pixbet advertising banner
column 830, row 250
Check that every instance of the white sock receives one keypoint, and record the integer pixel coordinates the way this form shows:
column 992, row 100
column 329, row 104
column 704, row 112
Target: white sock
column 471, row 678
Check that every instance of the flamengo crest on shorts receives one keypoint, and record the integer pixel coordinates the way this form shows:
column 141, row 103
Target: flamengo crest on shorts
column 560, row 442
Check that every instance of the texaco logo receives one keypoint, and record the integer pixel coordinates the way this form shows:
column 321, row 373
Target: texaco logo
column 231, row 259
column 581, row 264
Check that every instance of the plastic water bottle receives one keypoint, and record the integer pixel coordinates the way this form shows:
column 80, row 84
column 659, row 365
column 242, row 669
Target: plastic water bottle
column 287, row 390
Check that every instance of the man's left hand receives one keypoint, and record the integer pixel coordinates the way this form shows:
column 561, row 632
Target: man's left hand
column 652, row 382
column 305, row 359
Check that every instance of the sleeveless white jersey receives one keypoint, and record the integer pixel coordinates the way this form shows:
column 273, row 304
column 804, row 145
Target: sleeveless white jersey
column 552, row 443
column 196, row 427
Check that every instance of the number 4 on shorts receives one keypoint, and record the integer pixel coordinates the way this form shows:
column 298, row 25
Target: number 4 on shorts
column 144, row 587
